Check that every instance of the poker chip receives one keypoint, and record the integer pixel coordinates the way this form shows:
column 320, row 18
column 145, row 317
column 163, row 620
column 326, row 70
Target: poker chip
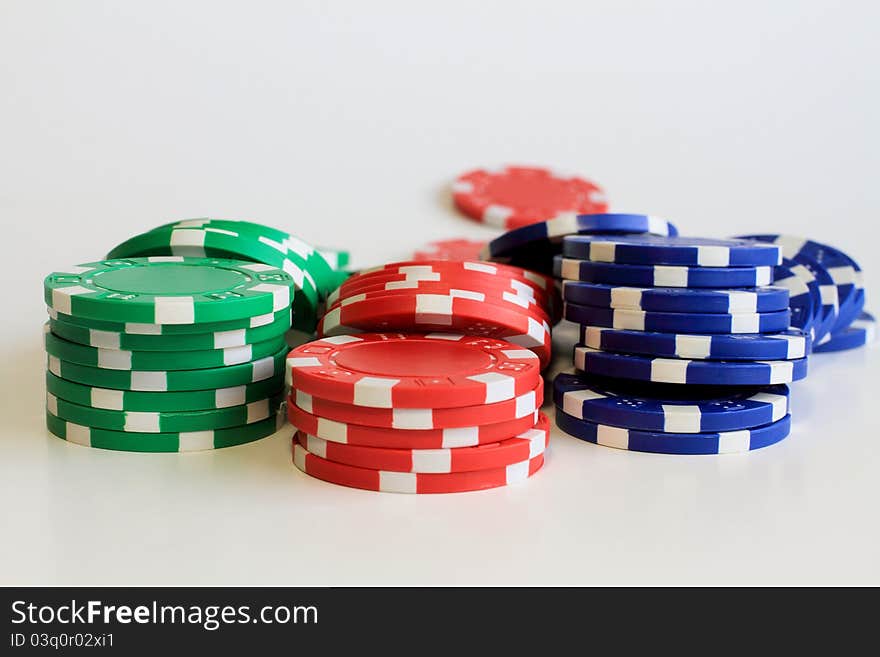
column 861, row 332
column 661, row 275
column 118, row 359
column 460, row 249
column 162, row 421
column 445, row 283
column 522, row 447
column 413, row 370
column 534, row 246
column 183, row 342
column 437, row 312
column 843, row 271
column 674, row 443
column 686, row 371
column 668, row 250
column 690, row 323
column 668, row 407
column 169, row 290
column 336, row 258
column 167, row 401
column 412, row 482
column 423, row 418
column 822, row 290
column 278, row 319
column 804, row 297
column 171, row 380
column 678, row 299
column 487, row 295
column 785, row 345
column 315, row 265
column 191, row 441
column 230, row 241
column 452, row 437
column 514, row 196
column 476, row 272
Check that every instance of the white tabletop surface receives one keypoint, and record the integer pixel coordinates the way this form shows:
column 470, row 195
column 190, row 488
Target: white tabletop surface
column 345, row 124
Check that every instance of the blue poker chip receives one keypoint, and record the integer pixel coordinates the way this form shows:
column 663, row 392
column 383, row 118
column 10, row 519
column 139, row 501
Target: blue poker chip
column 661, row 275
column 843, row 270
column 804, row 298
column 686, row 251
column 858, row 334
column 690, row 323
column 674, row 443
column 668, row 408
column 791, row 344
column 534, row 246
column 807, row 270
column 686, row 371
column 677, row 299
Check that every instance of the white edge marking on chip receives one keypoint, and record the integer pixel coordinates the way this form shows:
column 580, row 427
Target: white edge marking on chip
column 681, row 418
column 196, row 441
column 670, row 276
column 713, row 256
column 497, row 386
column 174, row 310
column 612, row 436
column 669, row 370
column 374, row 391
column 731, row 442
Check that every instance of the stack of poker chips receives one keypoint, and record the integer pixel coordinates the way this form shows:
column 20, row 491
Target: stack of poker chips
column 466, row 297
column 685, row 346
column 315, row 271
column 166, row 354
column 426, row 379
column 417, row 412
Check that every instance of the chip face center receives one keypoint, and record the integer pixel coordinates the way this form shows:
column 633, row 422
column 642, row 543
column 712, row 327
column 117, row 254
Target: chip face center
column 171, row 279
column 422, row 359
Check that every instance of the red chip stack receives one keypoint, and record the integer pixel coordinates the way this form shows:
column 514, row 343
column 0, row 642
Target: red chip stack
column 426, row 379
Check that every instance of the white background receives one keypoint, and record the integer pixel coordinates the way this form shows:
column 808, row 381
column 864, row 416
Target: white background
column 344, row 123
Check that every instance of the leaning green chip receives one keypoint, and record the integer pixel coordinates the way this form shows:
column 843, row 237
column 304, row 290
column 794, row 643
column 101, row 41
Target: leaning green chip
column 187, row 400
column 163, row 422
column 188, row 342
column 171, row 380
column 191, row 441
column 279, row 318
column 118, row 359
column 200, row 241
column 169, row 290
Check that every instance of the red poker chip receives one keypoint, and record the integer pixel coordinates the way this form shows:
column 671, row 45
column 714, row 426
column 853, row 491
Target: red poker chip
column 429, row 270
column 516, row 196
column 413, row 370
column 358, row 434
column 442, row 313
column 488, row 295
column 412, row 482
column 460, row 249
column 423, row 418
column 479, row 273
column 522, row 447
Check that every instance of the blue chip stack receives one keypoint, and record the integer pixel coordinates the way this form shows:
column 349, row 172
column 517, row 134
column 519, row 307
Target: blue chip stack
column 685, row 345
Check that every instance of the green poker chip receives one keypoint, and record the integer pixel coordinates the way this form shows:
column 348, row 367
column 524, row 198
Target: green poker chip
column 210, row 240
column 188, row 400
column 315, row 264
column 336, row 258
column 163, row 442
column 171, row 380
column 188, row 342
column 279, row 318
column 161, row 421
column 118, row 359
column 169, row 290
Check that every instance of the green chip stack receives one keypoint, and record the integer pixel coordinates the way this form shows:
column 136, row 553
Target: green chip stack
column 166, row 353
column 176, row 342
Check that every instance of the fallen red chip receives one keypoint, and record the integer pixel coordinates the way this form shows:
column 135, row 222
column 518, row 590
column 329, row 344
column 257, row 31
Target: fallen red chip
column 515, row 196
